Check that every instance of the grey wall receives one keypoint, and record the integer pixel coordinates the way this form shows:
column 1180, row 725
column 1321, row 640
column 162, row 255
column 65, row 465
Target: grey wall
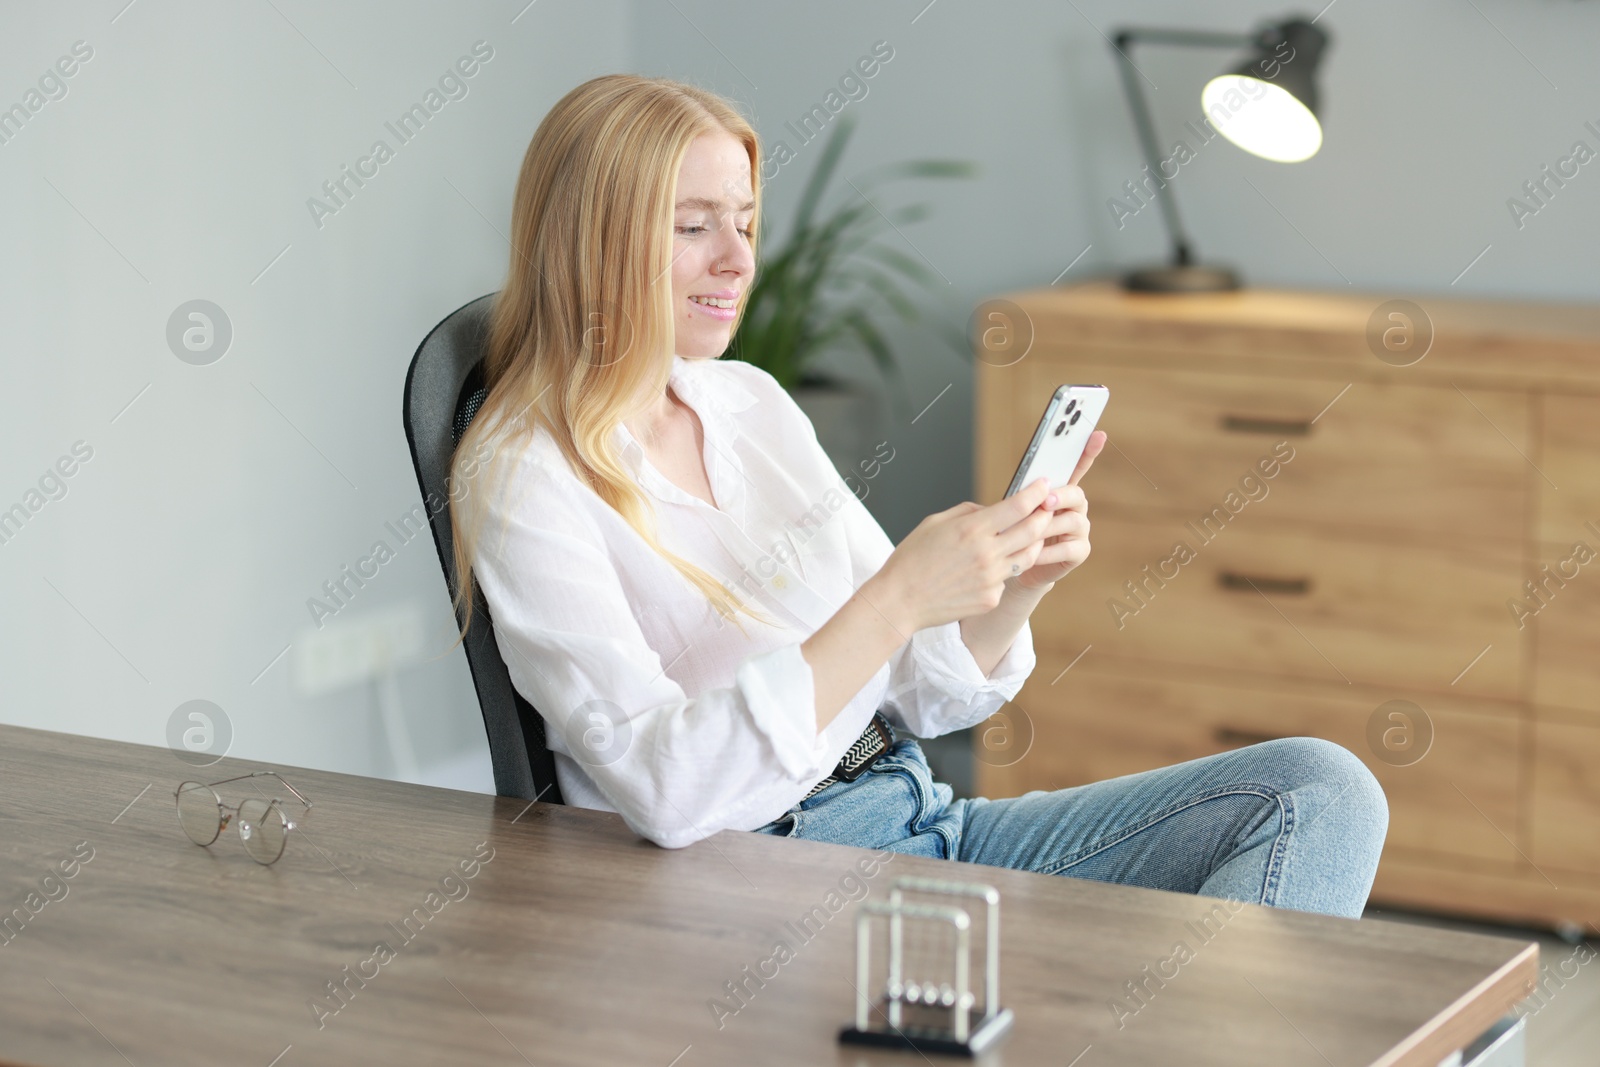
column 1434, row 112
column 219, row 498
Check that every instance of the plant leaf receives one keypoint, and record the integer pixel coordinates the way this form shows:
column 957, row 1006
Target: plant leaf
column 819, row 285
column 838, row 137
column 884, row 286
column 898, row 260
column 919, row 168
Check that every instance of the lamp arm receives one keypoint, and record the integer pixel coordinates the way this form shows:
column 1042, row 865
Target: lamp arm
column 1203, row 38
column 1122, row 44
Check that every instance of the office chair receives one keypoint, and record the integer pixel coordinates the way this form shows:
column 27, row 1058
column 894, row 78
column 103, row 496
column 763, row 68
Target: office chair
column 444, row 389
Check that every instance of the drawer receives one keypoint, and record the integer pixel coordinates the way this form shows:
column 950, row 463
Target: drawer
column 1565, row 622
column 1566, row 797
column 1570, row 458
column 1459, row 799
column 1290, row 604
column 1410, row 462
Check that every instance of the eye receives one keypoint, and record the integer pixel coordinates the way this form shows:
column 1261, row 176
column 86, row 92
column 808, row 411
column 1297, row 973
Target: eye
column 694, row 229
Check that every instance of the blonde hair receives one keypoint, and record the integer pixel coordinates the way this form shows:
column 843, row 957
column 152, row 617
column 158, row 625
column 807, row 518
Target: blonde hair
column 590, row 285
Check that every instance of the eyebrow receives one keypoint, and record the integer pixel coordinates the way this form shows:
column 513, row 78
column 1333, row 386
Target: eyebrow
column 713, row 205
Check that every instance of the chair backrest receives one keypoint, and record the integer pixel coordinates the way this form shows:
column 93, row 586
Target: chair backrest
column 444, row 389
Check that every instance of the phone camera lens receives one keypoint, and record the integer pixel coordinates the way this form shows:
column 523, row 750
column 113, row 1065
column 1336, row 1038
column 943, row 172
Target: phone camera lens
column 1070, row 405
column 1076, row 415
column 1062, row 425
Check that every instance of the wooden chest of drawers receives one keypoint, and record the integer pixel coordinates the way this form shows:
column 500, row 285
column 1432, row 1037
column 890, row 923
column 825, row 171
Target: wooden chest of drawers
column 1291, row 532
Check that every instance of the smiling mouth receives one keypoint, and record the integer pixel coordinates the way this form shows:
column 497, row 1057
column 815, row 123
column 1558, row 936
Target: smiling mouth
column 713, row 311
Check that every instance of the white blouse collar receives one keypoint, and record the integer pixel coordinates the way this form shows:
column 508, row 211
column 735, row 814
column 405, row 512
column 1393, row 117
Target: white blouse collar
column 694, row 379
column 715, row 397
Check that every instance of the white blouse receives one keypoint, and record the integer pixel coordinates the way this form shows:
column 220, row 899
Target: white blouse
column 655, row 707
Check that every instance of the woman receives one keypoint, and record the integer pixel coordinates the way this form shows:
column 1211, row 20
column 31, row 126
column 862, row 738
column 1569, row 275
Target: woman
column 642, row 493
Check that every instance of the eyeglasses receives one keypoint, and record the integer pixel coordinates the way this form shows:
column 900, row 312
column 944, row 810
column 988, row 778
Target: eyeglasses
column 263, row 828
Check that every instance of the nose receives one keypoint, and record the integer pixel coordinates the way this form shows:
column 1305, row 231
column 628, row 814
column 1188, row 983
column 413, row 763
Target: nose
column 734, row 253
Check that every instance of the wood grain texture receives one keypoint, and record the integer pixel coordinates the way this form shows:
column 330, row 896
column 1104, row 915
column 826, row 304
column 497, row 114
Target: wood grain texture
column 1399, row 615
column 1570, row 457
column 1455, row 794
column 1383, row 461
column 1521, row 895
column 1515, row 345
column 1564, row 619
column 1387, row 559
column 1566, row 795
column 578, row 943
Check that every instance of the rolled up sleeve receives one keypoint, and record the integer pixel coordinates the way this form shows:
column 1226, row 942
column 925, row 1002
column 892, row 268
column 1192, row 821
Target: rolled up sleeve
column 935, row 684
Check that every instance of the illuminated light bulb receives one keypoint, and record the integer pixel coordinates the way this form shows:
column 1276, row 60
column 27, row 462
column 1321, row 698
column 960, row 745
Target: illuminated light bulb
column 1262, row 118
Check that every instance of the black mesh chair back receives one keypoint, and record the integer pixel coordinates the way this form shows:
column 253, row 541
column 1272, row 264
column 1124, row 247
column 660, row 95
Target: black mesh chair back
column 444, row 389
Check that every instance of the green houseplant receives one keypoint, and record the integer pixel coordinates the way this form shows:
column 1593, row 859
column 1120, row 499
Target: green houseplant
column 818, row 290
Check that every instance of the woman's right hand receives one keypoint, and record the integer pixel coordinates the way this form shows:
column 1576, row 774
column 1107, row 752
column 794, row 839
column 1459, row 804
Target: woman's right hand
column 954, row 564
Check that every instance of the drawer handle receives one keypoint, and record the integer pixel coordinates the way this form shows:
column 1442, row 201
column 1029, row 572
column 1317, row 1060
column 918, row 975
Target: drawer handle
column 1276, row 427
column 1227, row 735
column 1253, row 582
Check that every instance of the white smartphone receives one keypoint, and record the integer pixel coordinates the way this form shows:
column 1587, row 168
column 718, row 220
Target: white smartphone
column 1061, row 436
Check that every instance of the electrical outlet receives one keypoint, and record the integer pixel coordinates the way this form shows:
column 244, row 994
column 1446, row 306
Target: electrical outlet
column 347, row 651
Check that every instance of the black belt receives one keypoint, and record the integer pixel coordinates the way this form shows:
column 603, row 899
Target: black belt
column 873, row 742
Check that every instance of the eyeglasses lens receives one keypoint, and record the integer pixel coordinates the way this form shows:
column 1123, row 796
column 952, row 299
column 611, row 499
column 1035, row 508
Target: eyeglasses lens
column 262, row 829
column 199, row 812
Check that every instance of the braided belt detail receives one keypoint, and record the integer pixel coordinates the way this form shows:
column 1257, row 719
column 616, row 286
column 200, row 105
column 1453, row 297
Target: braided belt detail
column 873, row 742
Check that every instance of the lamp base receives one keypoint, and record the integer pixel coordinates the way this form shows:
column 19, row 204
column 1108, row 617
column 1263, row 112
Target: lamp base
column 1186, row 279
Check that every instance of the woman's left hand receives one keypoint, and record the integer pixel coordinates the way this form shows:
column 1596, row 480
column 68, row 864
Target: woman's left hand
column 1066, row 538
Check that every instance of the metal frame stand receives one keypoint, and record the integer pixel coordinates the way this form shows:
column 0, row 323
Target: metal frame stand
column 928, row 1016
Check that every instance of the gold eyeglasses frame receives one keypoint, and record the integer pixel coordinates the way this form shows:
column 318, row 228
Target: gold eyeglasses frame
column 248, row 824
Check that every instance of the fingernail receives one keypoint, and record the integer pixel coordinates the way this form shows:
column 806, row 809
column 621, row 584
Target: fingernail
column 1050, row 501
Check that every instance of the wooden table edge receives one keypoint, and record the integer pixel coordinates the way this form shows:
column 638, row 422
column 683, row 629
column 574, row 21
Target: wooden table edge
column 1461, row 1022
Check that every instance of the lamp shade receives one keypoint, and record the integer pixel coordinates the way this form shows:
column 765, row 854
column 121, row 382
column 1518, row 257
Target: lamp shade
column 1268, row 104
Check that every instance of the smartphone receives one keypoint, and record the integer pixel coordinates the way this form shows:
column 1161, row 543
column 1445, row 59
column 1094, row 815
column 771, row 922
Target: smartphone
column 1061, row 436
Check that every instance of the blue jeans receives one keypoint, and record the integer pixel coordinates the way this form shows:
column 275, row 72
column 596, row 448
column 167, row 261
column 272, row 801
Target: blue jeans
column 1292, row 823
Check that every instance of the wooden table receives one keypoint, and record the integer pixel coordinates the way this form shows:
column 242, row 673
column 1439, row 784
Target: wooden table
column 575, row 942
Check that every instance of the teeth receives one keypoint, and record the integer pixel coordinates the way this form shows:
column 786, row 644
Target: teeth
column 714, row 302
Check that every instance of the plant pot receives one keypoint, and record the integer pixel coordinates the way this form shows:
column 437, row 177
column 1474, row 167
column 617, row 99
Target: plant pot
column 845, row 416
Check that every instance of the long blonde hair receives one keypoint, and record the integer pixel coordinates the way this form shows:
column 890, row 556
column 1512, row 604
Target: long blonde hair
column 583, row 327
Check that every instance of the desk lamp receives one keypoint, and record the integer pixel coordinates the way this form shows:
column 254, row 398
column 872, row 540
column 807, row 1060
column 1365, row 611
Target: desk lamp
column 1267, row 105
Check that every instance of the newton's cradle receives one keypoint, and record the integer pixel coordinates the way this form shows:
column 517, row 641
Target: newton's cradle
column 926, row 996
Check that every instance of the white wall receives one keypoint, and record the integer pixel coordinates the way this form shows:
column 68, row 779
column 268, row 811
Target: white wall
column 177, row 167
column 1432, row 119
